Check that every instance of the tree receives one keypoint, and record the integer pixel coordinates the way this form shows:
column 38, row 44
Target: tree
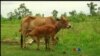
column 38, row 15
column 42, row 15
column 0, row 15
column 73, row 13
column 81, row 16
column 17, row 14
column 65, row 15
column 10, row 15
column 92, row 8
column 74, row 16
column 23, row 11
column 54, row 13
column 98, row 12
column 20, row 12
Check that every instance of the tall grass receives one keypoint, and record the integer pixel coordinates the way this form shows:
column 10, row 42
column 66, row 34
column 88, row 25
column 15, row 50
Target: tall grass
column 10, row 29
column 84, row 35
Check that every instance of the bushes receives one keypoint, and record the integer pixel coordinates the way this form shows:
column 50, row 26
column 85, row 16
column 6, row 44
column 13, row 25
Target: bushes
column 80, row 17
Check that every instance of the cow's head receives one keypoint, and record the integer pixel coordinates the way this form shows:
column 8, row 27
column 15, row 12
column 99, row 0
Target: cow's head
column 65, row 22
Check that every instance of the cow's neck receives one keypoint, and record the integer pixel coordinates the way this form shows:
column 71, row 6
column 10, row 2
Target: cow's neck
column 58, row 26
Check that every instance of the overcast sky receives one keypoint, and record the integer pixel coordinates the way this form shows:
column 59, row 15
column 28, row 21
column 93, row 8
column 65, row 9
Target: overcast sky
column 46, row 7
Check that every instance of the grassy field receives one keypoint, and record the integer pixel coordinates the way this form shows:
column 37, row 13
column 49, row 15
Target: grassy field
column 83, row 35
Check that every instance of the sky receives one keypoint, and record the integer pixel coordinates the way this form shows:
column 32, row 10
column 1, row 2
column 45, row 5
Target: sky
column 46, row 7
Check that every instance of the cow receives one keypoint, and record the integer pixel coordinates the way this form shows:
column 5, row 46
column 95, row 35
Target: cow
column 47, row 31
column 29, row 23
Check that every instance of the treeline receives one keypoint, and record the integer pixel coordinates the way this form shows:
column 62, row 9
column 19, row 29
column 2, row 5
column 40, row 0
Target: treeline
column 22, row 11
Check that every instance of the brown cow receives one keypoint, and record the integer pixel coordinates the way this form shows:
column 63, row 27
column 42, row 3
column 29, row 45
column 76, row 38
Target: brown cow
column 47, row 31
column 42, row 31
column 30, row 22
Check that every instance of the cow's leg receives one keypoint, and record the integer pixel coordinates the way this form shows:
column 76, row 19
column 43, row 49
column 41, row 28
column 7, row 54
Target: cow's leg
column 23, row 44
column 47, row 42
column 21, row 41
column 54, row 39
column 38, row 42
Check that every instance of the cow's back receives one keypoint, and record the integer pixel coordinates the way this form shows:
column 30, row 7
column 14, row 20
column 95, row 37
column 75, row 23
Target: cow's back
column 38, row 21
column 29, row 22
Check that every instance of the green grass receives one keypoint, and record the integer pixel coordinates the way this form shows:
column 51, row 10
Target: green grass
column 10, row 29
column 84, row 35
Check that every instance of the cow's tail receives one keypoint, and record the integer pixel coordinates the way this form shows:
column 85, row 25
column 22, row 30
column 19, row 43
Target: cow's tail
column 21, row 41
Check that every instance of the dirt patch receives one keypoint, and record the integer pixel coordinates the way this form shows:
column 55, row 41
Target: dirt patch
column 17, row 42
column 9, row 41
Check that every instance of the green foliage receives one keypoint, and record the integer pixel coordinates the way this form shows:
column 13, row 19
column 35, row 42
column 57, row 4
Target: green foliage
column 92, row 8
column 73, row 13
column 38, row 15
column 9, row 28
column 77, row 17
column 54, row 13
column 20, row 12
column 23, row 11
column 84, row 35
column 10, row 15
column 81, row 17
column 98, row 12
column 65, row 14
